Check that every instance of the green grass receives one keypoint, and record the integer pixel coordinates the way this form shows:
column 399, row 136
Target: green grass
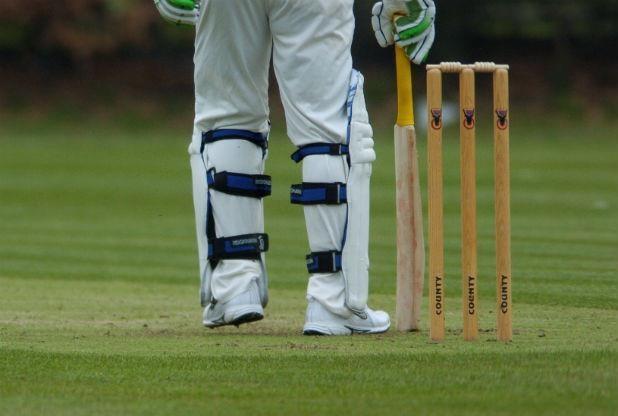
column 99, row 305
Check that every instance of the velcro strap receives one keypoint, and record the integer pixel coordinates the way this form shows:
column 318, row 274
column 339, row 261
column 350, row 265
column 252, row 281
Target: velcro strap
column 312, row 193
column 247, row 246
column 333, row 149
column 211, row 136
column 324, row 262
column 255, row 186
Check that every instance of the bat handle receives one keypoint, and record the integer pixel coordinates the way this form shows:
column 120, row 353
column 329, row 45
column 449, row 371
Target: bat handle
column 405, row 106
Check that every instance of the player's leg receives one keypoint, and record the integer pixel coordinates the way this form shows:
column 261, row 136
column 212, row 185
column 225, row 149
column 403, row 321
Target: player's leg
column 228, row 152
column 327, row 120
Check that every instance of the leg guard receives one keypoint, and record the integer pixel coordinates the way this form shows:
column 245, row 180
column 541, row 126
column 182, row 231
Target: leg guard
column 325, row 217
column 228, row 187
column 336, row 193
column 355, row 262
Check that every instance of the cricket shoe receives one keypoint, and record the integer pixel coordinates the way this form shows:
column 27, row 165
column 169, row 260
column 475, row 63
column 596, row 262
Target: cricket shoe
column 320, row 321
column 241, row 309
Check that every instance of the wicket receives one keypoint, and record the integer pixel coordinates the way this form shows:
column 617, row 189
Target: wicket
column 467, row 127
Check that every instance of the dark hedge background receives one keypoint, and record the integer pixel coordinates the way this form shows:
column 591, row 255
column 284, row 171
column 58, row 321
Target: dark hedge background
column 563, row 53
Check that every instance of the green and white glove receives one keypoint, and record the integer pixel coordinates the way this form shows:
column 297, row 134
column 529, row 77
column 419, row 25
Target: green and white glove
column 414, row 31
column 180, row 12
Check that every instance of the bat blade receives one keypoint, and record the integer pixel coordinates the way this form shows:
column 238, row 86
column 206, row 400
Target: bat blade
column 410, row 243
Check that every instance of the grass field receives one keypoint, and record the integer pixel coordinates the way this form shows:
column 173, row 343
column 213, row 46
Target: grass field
column 99, row 305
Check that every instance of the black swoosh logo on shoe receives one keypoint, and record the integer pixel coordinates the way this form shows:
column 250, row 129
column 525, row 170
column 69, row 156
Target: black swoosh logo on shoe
column 358, row 331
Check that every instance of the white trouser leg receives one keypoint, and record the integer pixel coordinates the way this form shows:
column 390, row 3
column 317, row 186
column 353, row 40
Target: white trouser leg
column 233, row 46
column 232, row 56
column 313, row 65
column 313, row 62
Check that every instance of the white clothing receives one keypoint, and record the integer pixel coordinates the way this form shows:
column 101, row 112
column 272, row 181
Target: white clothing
column 309, row 42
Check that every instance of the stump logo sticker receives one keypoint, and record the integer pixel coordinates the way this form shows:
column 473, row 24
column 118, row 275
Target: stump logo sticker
column 468, row 121
column 502, row 119
column 436, row 118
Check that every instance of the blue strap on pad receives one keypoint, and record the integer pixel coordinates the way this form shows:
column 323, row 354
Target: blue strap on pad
column 314, row 193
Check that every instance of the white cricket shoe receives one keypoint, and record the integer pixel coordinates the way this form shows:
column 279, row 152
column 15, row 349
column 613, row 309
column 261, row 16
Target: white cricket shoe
column 320, row 321
column 243, row 308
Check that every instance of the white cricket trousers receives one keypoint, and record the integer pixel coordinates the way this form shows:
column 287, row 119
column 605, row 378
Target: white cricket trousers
column 309, row 42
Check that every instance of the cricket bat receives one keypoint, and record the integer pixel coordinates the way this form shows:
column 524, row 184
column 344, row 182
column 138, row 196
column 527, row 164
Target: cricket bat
column 410, row 244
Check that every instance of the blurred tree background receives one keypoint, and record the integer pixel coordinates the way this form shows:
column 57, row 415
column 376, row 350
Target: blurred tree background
column 97, row 52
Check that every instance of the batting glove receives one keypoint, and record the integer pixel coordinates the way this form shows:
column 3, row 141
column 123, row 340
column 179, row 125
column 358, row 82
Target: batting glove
column 180, row 12
column 414, row 31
